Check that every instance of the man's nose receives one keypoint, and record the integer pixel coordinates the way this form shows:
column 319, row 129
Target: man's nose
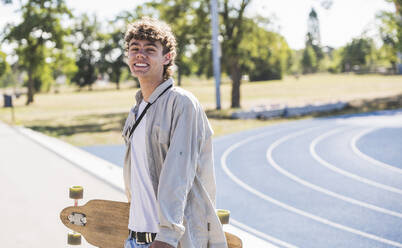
column 140, row 54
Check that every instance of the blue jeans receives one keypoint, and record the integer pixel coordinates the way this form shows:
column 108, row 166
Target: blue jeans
column 130, row 243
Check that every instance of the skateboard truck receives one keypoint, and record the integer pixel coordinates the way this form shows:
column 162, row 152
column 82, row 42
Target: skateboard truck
column 76, row 193
column 78, row 219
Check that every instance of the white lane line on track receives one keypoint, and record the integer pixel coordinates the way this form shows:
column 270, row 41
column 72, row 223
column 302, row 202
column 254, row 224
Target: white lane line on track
column 356, row 150
column 332, row 167
column 260, row 234
column 286, row 206
column 316, row 187
column 236, row 180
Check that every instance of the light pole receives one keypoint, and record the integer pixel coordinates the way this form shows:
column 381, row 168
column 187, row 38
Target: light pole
column 215, row 51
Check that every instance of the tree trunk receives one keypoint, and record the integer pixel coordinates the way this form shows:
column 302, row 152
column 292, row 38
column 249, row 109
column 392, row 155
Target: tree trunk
column 118, row 85
column 236, row 80
column 30, row 98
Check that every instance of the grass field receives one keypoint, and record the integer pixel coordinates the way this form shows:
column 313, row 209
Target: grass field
column 96, row 117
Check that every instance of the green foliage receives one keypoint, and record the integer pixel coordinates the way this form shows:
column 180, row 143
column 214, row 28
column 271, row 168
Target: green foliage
column 294, row 62
column 44, row 78
column 63, row 62
column 398, row 22
column 87, row 41
column 358, row 54
column 40, row 29
column 9, row 79
column 389, row 34
column 312, row 55
column 112, row 57
column 334, row 65
column 309, row 60
column 4, row 66
column 319, row 54
column 5, row 72
column 265, row 54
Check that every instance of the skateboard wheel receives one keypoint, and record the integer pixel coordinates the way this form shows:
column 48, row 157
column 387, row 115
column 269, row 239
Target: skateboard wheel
column 74, row 239
column 223, row 215
column 76, row 192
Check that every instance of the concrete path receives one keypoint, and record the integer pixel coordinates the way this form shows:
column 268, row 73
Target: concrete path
column 35, row 182
column 35, row 174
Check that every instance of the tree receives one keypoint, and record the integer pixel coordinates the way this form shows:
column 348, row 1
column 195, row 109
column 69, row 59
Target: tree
column 398, row 15
column 236, row 50
column 199, row 52
column 40, row 28
column 87, row 40
column 358, row 54
column 389, row 36
column 232, row 30
column 5, row 71
column 265, row 54
column 112, row 56
column 309, row 60
column 391, row 32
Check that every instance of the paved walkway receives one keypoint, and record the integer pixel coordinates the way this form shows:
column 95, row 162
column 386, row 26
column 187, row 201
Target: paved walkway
column 35, row 182
column 35, row 174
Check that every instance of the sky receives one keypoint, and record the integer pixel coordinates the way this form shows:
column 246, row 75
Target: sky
column 346, row 19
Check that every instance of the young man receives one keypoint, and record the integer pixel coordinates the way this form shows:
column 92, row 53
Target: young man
column 168, row 169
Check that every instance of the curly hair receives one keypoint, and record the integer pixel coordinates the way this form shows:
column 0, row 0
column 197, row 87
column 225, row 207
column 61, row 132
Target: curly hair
column 153, row 30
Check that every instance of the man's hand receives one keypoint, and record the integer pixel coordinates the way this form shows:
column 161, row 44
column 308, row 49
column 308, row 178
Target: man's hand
column 159, row 244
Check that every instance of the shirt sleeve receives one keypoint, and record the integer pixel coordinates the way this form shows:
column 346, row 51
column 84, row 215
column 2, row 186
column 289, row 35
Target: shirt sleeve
column 178, row 171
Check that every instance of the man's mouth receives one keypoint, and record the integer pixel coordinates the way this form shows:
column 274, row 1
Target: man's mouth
column 140, row 65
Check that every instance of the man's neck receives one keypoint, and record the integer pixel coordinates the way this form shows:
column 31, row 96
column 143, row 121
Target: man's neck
column 148, row 86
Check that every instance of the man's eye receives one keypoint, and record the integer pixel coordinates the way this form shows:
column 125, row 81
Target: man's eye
column 150, row 50
column 134, row 49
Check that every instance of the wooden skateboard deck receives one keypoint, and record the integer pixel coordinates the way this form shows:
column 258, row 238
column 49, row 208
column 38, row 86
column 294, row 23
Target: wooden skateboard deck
column 233, row 241
column 104, row 223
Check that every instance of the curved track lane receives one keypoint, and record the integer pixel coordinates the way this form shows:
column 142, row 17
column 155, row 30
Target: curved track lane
column 327, row 182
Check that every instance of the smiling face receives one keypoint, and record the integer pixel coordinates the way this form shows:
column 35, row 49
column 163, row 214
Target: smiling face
column 146, row 60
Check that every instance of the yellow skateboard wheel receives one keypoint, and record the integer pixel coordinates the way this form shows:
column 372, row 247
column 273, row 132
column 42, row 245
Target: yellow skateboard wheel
column 223, row 215
column 74, row 239
column 76, row 192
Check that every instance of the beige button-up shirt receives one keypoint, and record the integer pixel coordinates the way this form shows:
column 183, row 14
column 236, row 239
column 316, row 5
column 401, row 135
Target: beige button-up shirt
column 180, row 158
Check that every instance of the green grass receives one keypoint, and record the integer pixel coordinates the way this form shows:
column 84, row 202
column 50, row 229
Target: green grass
column 96, row 117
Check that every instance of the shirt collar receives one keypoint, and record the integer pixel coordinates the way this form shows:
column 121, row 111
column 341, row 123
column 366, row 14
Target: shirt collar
column 156, row 92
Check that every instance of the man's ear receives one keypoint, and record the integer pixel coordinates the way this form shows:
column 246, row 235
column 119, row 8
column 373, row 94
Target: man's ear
column 168, row 58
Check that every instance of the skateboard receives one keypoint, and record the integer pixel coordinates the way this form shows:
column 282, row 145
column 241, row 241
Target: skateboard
column 104, row 223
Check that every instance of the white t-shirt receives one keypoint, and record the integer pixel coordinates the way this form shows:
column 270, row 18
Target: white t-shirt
column 143, row 209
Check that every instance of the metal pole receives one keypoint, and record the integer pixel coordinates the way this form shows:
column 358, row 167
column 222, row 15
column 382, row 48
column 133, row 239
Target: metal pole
column 215, row 51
